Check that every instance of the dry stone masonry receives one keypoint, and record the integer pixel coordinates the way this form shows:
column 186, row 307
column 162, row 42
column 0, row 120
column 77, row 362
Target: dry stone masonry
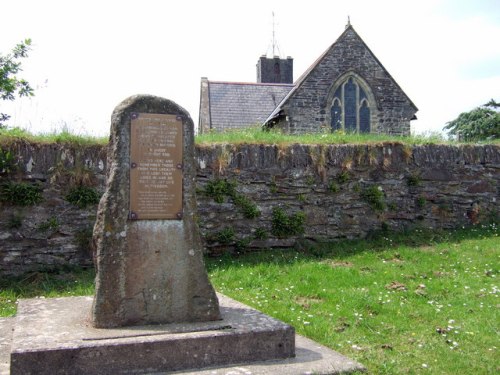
column 343, row 191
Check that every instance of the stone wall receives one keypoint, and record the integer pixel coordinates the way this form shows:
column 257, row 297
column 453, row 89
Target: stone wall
column 309, row 108
column 340, row 191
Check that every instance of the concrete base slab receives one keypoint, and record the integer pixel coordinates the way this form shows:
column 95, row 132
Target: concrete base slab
column 55, row 336
column 310, row 358
column 6, row 328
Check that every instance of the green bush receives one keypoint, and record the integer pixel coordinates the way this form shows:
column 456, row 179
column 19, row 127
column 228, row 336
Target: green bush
column 225, row 236
column 15, row 221
column 413, row 180
column 21, row 193
column 284, row 225
column 333, row 187
column 7, row 163
column 83, row 196
column 343, row 177
column 260, row 234
column 218, row 189
column 374, row 196
column 50, row 224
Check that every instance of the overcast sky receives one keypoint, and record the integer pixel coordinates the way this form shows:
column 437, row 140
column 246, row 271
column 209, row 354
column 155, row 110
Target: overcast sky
column 90, row 55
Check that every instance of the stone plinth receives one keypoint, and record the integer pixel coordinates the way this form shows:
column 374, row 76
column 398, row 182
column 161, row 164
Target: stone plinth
column 56, row 336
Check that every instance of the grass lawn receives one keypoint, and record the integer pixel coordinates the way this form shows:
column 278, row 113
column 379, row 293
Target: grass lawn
column 424, row 302
column 418, row 302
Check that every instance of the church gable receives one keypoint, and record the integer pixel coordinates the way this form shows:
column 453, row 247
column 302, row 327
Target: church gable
column 347, row 88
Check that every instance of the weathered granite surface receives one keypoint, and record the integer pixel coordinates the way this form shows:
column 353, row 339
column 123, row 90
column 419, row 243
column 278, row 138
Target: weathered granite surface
column 148, row 271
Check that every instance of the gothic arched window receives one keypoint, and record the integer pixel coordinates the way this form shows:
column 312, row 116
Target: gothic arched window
column 350, row 109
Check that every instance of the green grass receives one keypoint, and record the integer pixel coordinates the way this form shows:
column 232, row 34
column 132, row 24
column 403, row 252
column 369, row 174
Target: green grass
column 254, row 135
column 420, row 302
column 250, row 135
column 424, row 301
column 11, row 135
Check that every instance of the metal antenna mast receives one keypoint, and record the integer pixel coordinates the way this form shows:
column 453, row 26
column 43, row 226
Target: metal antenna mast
column 274, row 42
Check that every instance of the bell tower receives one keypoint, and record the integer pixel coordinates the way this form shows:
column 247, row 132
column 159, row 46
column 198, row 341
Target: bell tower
column 274, row 70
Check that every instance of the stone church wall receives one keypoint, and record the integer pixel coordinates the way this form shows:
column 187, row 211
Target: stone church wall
column 260, row 196
column 309, row 108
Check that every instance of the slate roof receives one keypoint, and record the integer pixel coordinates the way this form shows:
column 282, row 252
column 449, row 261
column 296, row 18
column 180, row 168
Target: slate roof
column 236, row 105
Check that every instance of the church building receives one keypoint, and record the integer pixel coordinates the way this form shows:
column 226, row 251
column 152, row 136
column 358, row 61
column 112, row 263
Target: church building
column 346, row 88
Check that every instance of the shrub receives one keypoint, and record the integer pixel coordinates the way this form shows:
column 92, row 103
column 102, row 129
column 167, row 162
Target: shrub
column 15, row 221
column 7, row 163
column 50, row 224
column 284, row 225
column 413, row 180
column 218, row 188
column 260, row 234
column 374, row 196
column 343, row 177
column 21, row 193
column 225, row 236
column 83, row 196
column 333, row 187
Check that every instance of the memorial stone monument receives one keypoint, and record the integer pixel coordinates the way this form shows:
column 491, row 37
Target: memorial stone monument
column 148, row 250
column 154, row 309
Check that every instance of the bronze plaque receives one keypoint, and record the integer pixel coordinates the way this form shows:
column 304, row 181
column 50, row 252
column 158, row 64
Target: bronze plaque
column 156, row 145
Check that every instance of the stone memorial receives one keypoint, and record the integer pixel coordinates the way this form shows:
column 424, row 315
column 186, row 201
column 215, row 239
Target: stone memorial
column 148, row 250
column 154, row 309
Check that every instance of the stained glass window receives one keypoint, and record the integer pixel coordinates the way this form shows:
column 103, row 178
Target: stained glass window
column 336, row 115
column 364, row 118
column 350, row 107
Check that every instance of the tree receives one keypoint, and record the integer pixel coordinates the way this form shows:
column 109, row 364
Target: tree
column 479, row 124
column 10, row 85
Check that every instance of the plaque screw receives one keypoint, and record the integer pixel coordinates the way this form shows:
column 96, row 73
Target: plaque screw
column 133, row 216
column 179, row 166
column 179, row 118
column 133, row 165
column 134, row 115
column 179, row 215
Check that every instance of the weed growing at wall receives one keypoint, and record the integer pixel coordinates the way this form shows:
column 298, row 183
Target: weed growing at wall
column 218, row 189
column 343, row 177
column 72, row 177
column 260, row 234
column 413, row 180
column 333, row 187
column 21, row 193
column 7, row 162
column 374, row 196
column 50, row 224
column 225, row 236
column 420, row 201
column 83, row 239
column 242, row 244
column 15, row 221
column 248, row 208
column 273, row 187
column 318, row 157
column 283, row 225
column 83, row 196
